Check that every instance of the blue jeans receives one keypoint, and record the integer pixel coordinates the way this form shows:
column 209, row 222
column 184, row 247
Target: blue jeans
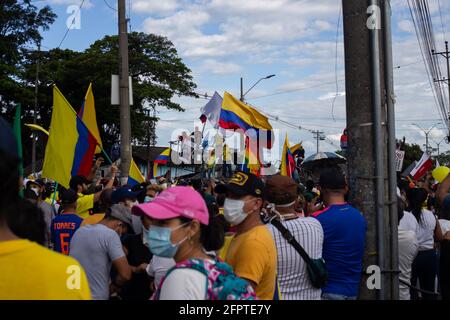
column 334, row 296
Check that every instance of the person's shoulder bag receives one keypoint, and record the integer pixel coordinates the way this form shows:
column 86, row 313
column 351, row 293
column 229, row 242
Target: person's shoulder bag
column 316, row 268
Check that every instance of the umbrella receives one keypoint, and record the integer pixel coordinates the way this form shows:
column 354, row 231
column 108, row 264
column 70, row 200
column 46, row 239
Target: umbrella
column 323, row 159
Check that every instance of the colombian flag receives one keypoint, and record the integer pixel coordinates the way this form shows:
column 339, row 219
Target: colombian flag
column 237, row 115
column 135, row 176
column 287, row 160
column 87, row 115
column 163, row 158
column 70, row 147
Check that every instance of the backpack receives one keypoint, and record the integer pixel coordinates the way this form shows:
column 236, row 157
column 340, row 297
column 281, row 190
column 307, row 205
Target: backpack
column 223, row 284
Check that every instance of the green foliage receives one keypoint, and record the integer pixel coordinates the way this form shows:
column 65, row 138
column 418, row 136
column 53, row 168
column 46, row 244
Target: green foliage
column 158, row 75
column 413, row 152
column 20, row 23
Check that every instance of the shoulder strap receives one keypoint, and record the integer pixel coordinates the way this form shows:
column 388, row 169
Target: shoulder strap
column 291, row 240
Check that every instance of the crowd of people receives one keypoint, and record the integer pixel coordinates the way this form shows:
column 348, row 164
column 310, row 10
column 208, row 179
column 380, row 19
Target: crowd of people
column 240, row 238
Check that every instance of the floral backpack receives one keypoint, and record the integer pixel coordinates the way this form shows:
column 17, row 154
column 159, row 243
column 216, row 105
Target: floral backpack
column 223, row 284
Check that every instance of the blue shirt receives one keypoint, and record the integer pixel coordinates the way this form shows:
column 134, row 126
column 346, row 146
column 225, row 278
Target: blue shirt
column 63, row 228
column 344, row 230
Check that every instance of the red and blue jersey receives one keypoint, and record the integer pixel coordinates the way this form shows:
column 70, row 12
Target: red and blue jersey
column 63, row 228
column 344, row 230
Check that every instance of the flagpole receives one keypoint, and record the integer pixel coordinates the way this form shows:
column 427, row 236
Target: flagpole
column 203, row 150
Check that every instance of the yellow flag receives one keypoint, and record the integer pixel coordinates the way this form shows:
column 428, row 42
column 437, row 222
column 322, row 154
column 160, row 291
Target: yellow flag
column 135, row 176
column 88, row 116
column 62, row 140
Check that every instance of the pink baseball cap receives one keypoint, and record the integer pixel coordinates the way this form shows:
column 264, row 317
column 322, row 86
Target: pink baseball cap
column 175, row 202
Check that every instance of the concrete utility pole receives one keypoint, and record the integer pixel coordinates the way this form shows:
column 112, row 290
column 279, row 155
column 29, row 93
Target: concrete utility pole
column 367, row 137
column 318, row 135
column 36, row 91
column 125, row 122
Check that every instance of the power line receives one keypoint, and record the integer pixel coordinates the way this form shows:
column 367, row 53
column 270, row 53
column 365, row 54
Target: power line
column 442, row 21
column 296, row 89
column 73, row 20
column 420, row 14
column 109, row 6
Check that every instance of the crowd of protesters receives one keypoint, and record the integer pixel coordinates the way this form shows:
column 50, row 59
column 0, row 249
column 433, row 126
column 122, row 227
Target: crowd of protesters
column 207, row 239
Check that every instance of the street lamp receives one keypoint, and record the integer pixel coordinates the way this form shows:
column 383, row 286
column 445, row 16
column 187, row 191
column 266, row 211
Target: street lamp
column 242, row 86
column 438, row 144
column 426, row 132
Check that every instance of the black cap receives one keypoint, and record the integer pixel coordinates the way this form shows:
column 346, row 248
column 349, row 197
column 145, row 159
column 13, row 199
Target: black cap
column 242, row 184
column 332, row 178
column 75, row 181
column 38, row 182
column 122, row 193
column 68, row 196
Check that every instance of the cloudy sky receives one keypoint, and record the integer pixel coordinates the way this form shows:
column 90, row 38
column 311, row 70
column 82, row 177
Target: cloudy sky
column 301, row 41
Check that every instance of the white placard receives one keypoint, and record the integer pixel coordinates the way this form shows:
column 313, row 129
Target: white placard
column 399, row 157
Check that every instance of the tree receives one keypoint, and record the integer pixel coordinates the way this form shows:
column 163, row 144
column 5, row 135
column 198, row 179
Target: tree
column 157, row 72
column 444, row 158
column 19, row 26
column 413, row 152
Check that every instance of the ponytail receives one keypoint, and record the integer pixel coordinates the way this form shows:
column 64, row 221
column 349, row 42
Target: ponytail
column 416, row 197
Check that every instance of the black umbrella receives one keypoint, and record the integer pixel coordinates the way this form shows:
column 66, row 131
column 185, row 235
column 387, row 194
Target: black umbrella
column 323, row 159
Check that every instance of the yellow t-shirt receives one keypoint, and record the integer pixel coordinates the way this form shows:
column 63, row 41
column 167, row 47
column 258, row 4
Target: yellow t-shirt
column 85, row 204
column 29, row 271
column 253, row 256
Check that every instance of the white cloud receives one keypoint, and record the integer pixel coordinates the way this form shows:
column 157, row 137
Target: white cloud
column 219, row 67
column 406, row 26
column 154, row 6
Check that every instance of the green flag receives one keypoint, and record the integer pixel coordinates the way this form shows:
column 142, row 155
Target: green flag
column 18, row 133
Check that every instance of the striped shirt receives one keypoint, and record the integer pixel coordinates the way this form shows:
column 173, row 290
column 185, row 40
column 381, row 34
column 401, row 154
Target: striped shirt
column 292, row 274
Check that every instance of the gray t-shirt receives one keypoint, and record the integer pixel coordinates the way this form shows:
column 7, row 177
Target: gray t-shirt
column 49, row 214
column 95, row 247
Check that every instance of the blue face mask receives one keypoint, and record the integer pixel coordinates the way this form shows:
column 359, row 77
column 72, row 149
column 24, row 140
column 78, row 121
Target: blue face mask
column 158, row 241
column 148, row 199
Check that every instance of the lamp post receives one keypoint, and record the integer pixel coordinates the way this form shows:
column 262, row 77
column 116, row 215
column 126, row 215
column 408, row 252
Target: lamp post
column 438, row 144
column 426, row 132
column 242, row 86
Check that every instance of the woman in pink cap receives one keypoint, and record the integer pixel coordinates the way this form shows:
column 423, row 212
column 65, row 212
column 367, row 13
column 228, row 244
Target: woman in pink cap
column 182, row 228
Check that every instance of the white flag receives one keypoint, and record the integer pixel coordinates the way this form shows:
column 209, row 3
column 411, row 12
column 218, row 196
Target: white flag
column 212, row 109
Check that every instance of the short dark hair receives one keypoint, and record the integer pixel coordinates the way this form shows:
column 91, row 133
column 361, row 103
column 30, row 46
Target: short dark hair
column 333, row 179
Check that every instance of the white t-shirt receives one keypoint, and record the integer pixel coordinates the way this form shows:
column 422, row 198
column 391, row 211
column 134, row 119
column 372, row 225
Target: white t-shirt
column 409, row 222
column 407, row 251
column 425, row 235
column 158, row 267
column 292, row 273
column 184, row 284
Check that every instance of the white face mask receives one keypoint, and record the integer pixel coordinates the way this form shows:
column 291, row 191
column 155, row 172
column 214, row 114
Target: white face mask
column 233, row 211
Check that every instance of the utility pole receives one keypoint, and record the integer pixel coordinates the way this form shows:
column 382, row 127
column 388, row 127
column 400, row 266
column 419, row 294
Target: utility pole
column 446, row 55
column 242, row 90
column 36, row 91
column 125, row 122
column 318, row 135
column 366, row 160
